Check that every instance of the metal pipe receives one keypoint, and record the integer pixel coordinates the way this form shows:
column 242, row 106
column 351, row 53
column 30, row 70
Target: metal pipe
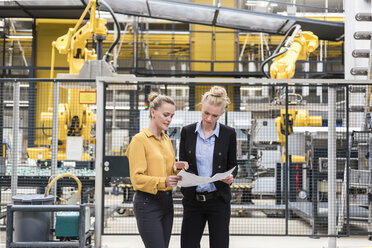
column 9, row 223
column 1, row 120
column 82, row 226
column 332, row 167
column 31, row 94
column 19, row 45
column 99, row 161
column 15, row 149
column 44, row 208
column 286, row 163
column 135, row 45
column 370, row 152
column 99, row 46
column 4, row 57
column 52, row 59
column 243, row 48
column 348, row 151
column 118, row 49
column 44, row 244
column 55, row 134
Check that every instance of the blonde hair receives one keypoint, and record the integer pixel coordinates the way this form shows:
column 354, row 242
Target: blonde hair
column 216, row 96
column 156, row 100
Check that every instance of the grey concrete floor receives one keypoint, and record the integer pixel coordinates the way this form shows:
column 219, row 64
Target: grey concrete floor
column 134, row 241
column 247, row 242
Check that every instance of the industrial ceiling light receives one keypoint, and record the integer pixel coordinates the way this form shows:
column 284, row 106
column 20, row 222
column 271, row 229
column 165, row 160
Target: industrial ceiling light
column 17, row 36
column 260, row 3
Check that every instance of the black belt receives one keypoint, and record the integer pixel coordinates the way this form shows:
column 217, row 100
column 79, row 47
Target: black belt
column 205, row 196
column 158, row 194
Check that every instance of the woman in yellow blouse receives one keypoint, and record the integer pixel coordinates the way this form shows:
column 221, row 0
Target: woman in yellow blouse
column 153, row 174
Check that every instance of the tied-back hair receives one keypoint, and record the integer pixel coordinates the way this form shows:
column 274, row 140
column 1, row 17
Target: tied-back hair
column 156, row 100
column 216, row 96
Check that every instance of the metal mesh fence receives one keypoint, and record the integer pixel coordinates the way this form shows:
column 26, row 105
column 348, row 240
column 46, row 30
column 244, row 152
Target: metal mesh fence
column 282, row 150
column 273, row 194
column 38, row 121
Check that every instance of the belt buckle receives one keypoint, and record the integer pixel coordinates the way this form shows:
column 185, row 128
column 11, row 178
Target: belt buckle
column 201, row 198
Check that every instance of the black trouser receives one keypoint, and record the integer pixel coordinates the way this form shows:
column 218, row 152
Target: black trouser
column 154, row 215
column 195, row 215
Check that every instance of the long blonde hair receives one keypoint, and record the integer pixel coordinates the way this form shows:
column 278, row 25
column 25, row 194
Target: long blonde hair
column 216, row 96
column 156, row 100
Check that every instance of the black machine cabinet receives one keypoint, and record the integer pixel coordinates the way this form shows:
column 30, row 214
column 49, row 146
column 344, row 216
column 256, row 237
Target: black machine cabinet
column 115, row 166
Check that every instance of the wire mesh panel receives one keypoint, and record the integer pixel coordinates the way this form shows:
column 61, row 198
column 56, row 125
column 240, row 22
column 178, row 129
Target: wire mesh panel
column 308, row 150
column 358, row 205
column 14, row 119
column 281, row 187
column 27, row 144
column 358, row 201
column 257, row 205
column 121, row 123
column 6, row 121
column 250, row 114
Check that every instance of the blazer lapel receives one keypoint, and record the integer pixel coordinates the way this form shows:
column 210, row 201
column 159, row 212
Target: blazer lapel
column 218, row 147
column 193, row 136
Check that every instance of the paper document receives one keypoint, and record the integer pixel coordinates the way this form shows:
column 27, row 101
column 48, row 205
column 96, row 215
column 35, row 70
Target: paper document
column 189, row 179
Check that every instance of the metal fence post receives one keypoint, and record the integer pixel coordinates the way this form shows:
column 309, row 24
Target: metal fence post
column 99, row 159
column 332, row 167
column 9, row 224
column 55, row 134
column 287, row 162
column 15, row 148
column 82, row 225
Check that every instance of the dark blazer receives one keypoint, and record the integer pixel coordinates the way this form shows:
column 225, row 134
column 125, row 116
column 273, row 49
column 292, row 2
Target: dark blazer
column 224, row 157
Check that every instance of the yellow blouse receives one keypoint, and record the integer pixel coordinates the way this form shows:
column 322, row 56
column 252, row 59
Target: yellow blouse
column 150, row 161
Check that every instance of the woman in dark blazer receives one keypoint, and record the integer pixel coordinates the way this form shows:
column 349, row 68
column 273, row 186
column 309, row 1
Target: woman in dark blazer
column 209, row 148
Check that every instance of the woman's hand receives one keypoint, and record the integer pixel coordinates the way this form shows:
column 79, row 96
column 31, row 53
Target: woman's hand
column 228, row 179
column 172, row 181
column 181, row 165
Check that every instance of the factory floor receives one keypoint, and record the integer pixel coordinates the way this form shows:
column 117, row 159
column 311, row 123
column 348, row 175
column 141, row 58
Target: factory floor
column 134, row 241
column 247, row 242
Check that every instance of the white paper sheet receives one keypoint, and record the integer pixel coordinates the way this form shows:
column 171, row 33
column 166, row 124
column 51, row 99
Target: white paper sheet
column 189, row 179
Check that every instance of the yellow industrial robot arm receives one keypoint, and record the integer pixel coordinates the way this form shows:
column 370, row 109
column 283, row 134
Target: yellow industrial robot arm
column 73, row 43
column 297, row 47
column 284, row 65
column 296, row 118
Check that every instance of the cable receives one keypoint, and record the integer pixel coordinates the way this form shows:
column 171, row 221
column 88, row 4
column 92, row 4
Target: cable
column 108, row 53
column 49, row 186
column 271, row 58
column 286, row 46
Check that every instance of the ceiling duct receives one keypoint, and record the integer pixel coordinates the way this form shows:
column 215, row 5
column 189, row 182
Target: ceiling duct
column 178, row 11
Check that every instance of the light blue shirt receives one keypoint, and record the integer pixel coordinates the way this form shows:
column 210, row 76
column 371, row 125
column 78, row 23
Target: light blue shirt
column 204, row 156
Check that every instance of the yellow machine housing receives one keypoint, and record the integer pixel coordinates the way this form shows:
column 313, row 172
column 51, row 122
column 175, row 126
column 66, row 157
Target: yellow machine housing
column 75, row 119
column 296, row 118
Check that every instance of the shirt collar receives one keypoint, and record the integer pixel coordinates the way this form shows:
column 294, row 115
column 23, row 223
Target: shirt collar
column 149, row 133
column 215, row 132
